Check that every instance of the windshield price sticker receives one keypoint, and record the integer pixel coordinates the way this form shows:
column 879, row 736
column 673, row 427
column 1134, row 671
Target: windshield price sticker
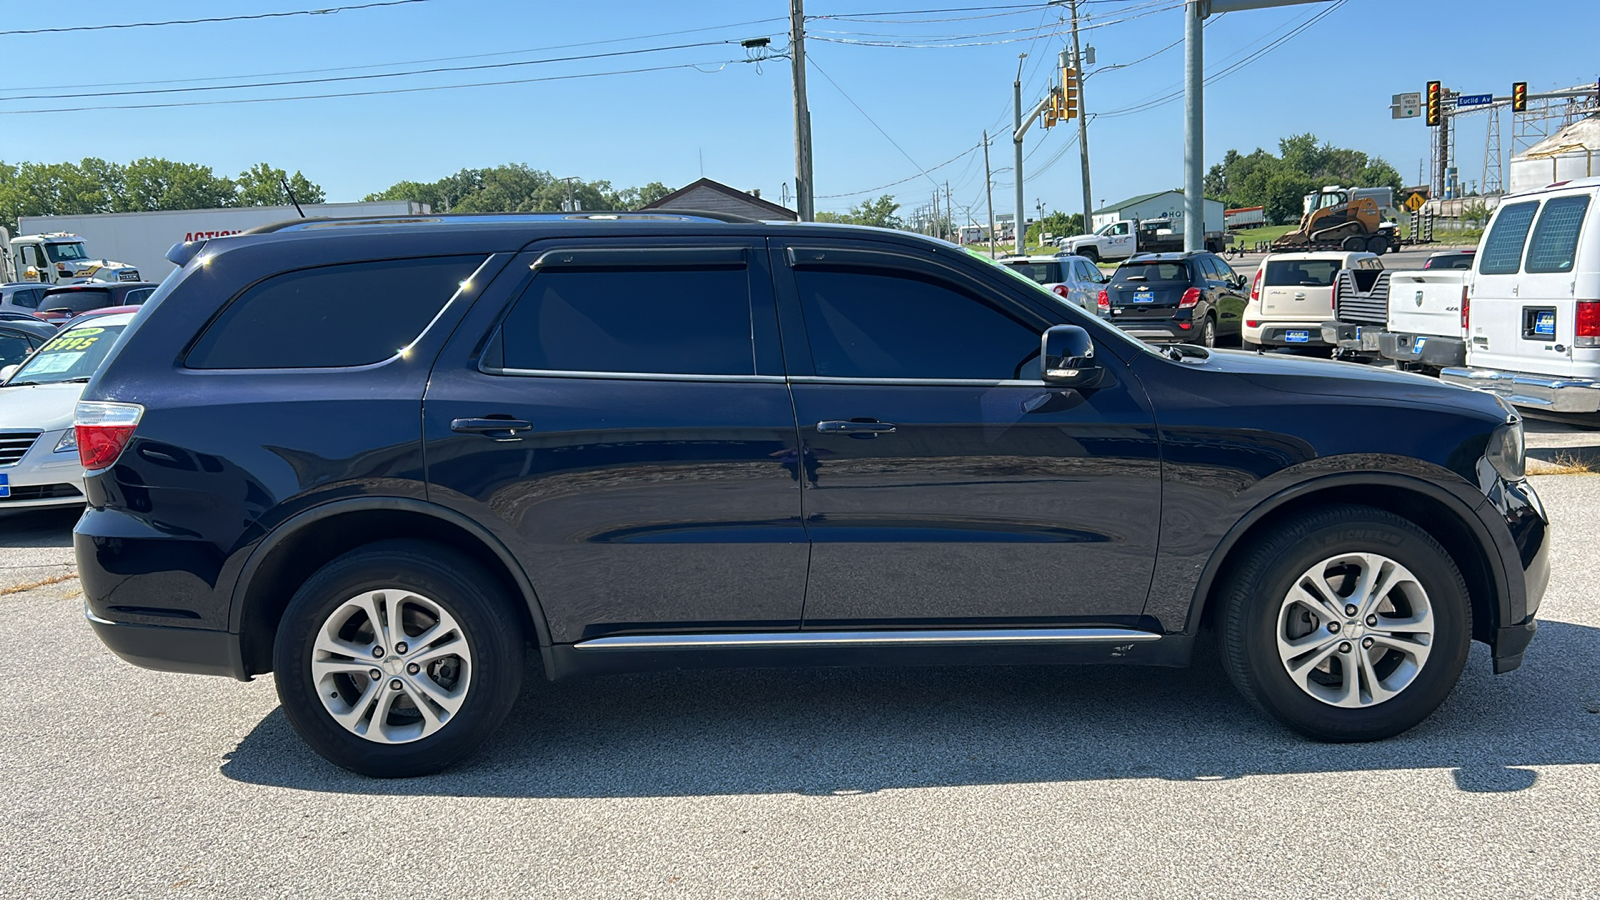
column 54, row 363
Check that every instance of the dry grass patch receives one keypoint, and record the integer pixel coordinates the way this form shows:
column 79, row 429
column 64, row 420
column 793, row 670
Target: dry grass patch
column 43, row 582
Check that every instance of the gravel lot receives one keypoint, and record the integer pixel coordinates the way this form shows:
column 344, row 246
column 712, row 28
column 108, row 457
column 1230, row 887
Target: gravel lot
column 866, row 783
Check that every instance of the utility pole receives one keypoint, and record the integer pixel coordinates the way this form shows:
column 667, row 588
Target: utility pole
column 988, row 190
column 1444, row 144
column 1083, row 122
column 950, row 209
column 803, row 189
column 1020, row 227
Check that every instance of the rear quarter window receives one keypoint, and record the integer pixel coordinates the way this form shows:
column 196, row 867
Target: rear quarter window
column 342, row 315
column 1502, row 247
column 1554, row 245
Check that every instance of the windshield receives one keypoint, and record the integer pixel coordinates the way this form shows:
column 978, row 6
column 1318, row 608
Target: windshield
column 72, row 355
column 1151, row 272
column 1039, row 272
column 60, row 252
column 1301, row 273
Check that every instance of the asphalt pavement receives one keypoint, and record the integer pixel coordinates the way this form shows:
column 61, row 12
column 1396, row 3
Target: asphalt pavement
column 969, row 782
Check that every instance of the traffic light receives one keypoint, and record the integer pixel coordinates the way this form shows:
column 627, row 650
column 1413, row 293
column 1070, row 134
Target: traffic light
column 1052, row 112
column 1069, row 92
column 1435, row 102
column 1519, row 96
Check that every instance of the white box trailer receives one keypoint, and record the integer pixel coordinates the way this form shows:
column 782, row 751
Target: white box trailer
column 142, row 239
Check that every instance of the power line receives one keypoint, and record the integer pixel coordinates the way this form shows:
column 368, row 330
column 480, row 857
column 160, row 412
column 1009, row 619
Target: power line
column 409, row 62
column 368, row 77
column 869, row 118
column 977, row 146
column 720, row 65
column 329, row 10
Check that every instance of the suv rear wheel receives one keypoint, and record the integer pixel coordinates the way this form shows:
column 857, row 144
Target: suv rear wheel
column 1208, row 333
column 397, row 659
column 1347, row 624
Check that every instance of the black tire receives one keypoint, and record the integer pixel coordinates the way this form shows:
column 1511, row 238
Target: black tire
column 1377, row 244
column 1208, row 334
column 1249, row 346
column 1355, row 243
column 1253, row 594
column 1091, row 254
column 486, row 618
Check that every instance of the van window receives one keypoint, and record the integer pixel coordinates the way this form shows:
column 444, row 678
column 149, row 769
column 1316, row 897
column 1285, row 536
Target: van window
column 1555, row 238
column 1301, row 273
column 344, row 315
column 1502, row 248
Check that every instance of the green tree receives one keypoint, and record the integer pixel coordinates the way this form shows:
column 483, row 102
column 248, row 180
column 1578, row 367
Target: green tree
column 517, row 187
column 879, row 212
column 152, row 184
column 262, row 185
column 1303, row 163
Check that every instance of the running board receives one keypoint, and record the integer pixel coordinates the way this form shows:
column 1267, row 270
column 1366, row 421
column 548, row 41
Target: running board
column 926, row 638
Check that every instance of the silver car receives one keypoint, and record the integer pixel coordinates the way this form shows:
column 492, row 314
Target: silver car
column 1073, row 278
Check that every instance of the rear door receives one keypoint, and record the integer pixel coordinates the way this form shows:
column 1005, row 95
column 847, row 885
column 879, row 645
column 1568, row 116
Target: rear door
column 1498, row 337
column 619, row 418
column 945, row 484
column 1547, row 288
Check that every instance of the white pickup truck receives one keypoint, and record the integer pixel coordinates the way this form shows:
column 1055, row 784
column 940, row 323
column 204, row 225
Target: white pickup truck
column 1125, row 238
column 1410, row 316
column 1533, row 321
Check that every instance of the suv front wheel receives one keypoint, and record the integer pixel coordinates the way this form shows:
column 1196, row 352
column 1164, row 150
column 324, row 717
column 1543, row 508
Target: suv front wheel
column 1347, row 624
column 397, row 659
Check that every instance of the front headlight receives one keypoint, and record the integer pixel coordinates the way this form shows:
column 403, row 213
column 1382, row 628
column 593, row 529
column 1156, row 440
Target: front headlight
column 68, row 442
column 1506, row 451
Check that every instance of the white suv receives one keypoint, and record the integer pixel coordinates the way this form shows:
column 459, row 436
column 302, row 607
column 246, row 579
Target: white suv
column 1292, row 296
column 1532, row 314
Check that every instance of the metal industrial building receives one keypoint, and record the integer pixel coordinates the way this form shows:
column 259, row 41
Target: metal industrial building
column 1160, row 205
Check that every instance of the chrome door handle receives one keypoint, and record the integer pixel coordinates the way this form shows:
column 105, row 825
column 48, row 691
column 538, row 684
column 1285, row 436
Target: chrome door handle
column 499, row 429
column 867, row 428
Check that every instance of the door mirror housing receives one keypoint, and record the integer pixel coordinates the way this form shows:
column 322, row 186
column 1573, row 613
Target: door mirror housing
column 8, row 371
column 1067, row 358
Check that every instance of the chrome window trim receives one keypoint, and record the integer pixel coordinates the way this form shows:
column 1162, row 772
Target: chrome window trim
column 946, row 382
column 631, row 376
column 774, row 640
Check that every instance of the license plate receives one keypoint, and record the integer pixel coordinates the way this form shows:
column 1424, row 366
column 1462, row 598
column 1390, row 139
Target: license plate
column 1297, row 337
column 1421, row 342
column 5, row 485
column 1544, row 323
column 1143, row 298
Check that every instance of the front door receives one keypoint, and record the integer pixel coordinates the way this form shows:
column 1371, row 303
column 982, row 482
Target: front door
column 620, row 418
column 945, row 484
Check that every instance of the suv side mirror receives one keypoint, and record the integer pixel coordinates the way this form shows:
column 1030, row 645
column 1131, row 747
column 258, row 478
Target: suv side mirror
column 8, row 371
column 1067, row 357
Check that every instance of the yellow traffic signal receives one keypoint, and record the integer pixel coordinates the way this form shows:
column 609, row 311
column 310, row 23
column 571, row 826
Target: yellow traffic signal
column 1519, row 97
column 1052, row 110
column 1069, row 93
column 1435, row 101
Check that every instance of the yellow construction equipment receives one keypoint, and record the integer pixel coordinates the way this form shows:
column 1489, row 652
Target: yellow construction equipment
column 1338, row 218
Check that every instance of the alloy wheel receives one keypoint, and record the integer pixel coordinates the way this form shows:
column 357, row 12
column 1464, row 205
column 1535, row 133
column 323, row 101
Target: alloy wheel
column 1355, row 630
column 391, row 666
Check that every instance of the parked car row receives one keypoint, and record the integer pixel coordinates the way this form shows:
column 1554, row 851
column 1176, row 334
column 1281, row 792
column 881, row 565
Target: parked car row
column 58, row 303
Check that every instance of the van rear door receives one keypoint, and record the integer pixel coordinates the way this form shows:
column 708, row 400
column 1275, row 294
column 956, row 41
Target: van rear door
column 1528, row 318
column 1494, row 327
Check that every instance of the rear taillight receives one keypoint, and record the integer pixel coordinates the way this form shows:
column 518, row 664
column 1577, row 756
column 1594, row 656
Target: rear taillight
column 1191, row 297
column 1466, row 308
column 103, row 430
column 1587, row 322
column 1255, row 289
column 1061, row 290
column 1104, row 301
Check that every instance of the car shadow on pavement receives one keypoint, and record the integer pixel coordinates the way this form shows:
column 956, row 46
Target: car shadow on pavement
column 850, row 731
column 38, row 527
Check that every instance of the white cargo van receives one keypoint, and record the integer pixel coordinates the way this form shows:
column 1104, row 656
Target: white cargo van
column 1532, row 311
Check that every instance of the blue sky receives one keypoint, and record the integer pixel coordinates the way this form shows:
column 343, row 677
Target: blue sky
column 732, row 117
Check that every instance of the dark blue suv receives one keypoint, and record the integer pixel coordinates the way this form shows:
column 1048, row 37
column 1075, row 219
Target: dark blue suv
column 385, row 459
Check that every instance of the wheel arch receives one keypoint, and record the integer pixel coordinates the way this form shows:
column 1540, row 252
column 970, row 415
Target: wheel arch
column 1432, row 508
column 295, row 549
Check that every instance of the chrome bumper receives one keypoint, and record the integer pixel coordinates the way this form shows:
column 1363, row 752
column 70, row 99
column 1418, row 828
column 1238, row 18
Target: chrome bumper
column 1547, row 392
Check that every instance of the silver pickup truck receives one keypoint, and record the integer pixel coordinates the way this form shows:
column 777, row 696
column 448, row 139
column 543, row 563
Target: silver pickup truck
column 1412, row 317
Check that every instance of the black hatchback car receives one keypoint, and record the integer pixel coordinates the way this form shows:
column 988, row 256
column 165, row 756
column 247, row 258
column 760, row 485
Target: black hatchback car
column 1190, row 298
column 642, row 441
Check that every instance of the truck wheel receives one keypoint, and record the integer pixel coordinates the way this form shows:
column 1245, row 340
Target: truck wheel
column 1091, row 254
column 1355, row 243
column 1346, row 624
column 398, row 658
column 1377, row 244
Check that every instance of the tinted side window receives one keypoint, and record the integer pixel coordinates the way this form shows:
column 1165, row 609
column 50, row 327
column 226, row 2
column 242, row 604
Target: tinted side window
column 344, row 315
column 671, row 321
column 137, row 298
column 14, row 348
column 874, row 324
column 1555, row 238
column 1502, row 248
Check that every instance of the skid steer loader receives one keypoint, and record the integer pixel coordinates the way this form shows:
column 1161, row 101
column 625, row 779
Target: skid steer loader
column 1349, row 219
